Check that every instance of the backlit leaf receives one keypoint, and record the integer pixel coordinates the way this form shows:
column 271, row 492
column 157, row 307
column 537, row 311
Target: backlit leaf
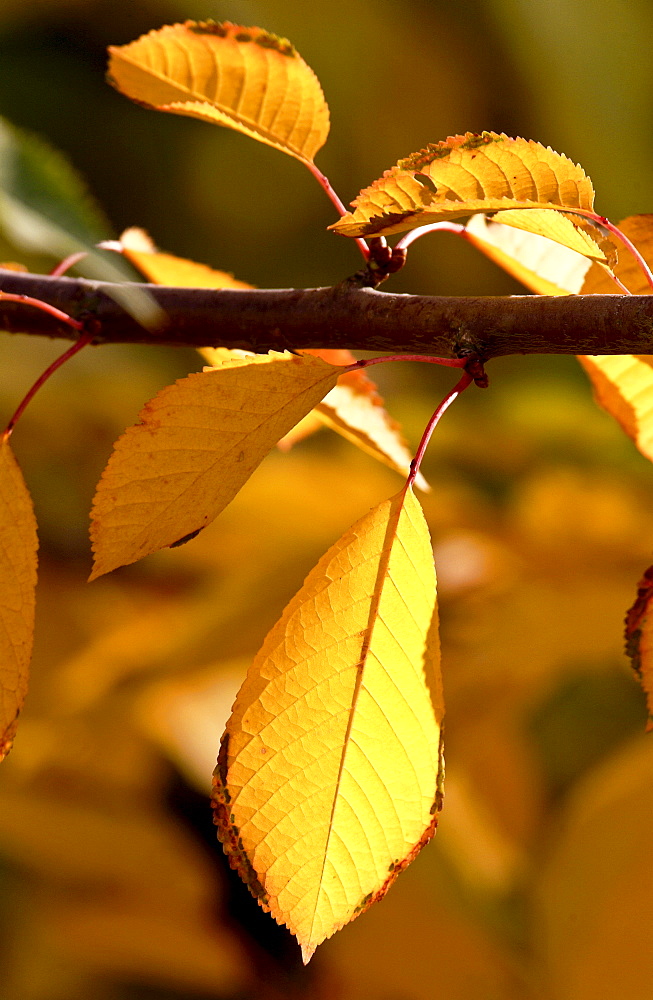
column 361, row 417
column 197, row 443
column 623, row 385
column 329, row 778
column 18, row 545
column 537, row 262
column 244, row 78
column 638, row 229
column 639, row 639
column 473, row 173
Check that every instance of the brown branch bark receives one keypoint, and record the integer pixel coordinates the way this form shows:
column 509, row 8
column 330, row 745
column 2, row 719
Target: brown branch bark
column 341, row 316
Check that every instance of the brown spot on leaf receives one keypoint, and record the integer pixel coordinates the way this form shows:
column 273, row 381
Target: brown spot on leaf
column 186, row 538
column 232, row 843
column 209, row 28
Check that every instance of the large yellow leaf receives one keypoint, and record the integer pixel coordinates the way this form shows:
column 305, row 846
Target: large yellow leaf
column 639, row 639
column 18, row 545
column 473, row 173
column 197, row 443
column 244, row 78
column 329, row 778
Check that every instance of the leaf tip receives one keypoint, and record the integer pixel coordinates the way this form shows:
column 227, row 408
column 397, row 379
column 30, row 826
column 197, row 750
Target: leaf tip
column 307, row 952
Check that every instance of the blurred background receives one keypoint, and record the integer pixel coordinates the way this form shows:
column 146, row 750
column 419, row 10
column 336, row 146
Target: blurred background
column 539, row 884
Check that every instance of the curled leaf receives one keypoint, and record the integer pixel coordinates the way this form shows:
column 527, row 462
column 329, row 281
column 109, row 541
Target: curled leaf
column 197, row 443
column 18, row 545
column 244, row 78
column 329, row 778
column 473, row 173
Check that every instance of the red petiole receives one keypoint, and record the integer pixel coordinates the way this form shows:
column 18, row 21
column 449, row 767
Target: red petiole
column 453, row 394
column 42, row 379
column 67, row 263
column 27, row 300
column 332, row 194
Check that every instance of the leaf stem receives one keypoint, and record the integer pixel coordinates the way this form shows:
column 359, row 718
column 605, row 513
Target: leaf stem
column 453, row 394
column 67, row 263
column 415, row 234
column 44, row 307
column 42, row 379
column 332, row 194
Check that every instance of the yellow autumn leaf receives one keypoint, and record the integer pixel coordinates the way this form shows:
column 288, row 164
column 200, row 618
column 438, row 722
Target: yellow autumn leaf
column 197, row 442
column 639, row 230
column 471, row 173
column 623, row 385
column 639, row 639
column 18, row 545
column 329, row 778
column 538, row 263
column 244, row 78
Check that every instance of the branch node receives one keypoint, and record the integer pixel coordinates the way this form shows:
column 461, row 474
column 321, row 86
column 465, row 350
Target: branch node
column 383, row 261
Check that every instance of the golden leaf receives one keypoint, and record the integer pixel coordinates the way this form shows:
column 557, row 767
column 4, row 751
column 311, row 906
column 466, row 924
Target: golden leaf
column 473, row 173
column 18, row 545
column 329, row 778
column 623, row 385
column 197, row 443
column 639, row 230
column 244, row 78
column 639, row 635
column 537, row 262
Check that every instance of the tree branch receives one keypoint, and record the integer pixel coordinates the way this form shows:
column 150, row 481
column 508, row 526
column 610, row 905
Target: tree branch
column 341, row 316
